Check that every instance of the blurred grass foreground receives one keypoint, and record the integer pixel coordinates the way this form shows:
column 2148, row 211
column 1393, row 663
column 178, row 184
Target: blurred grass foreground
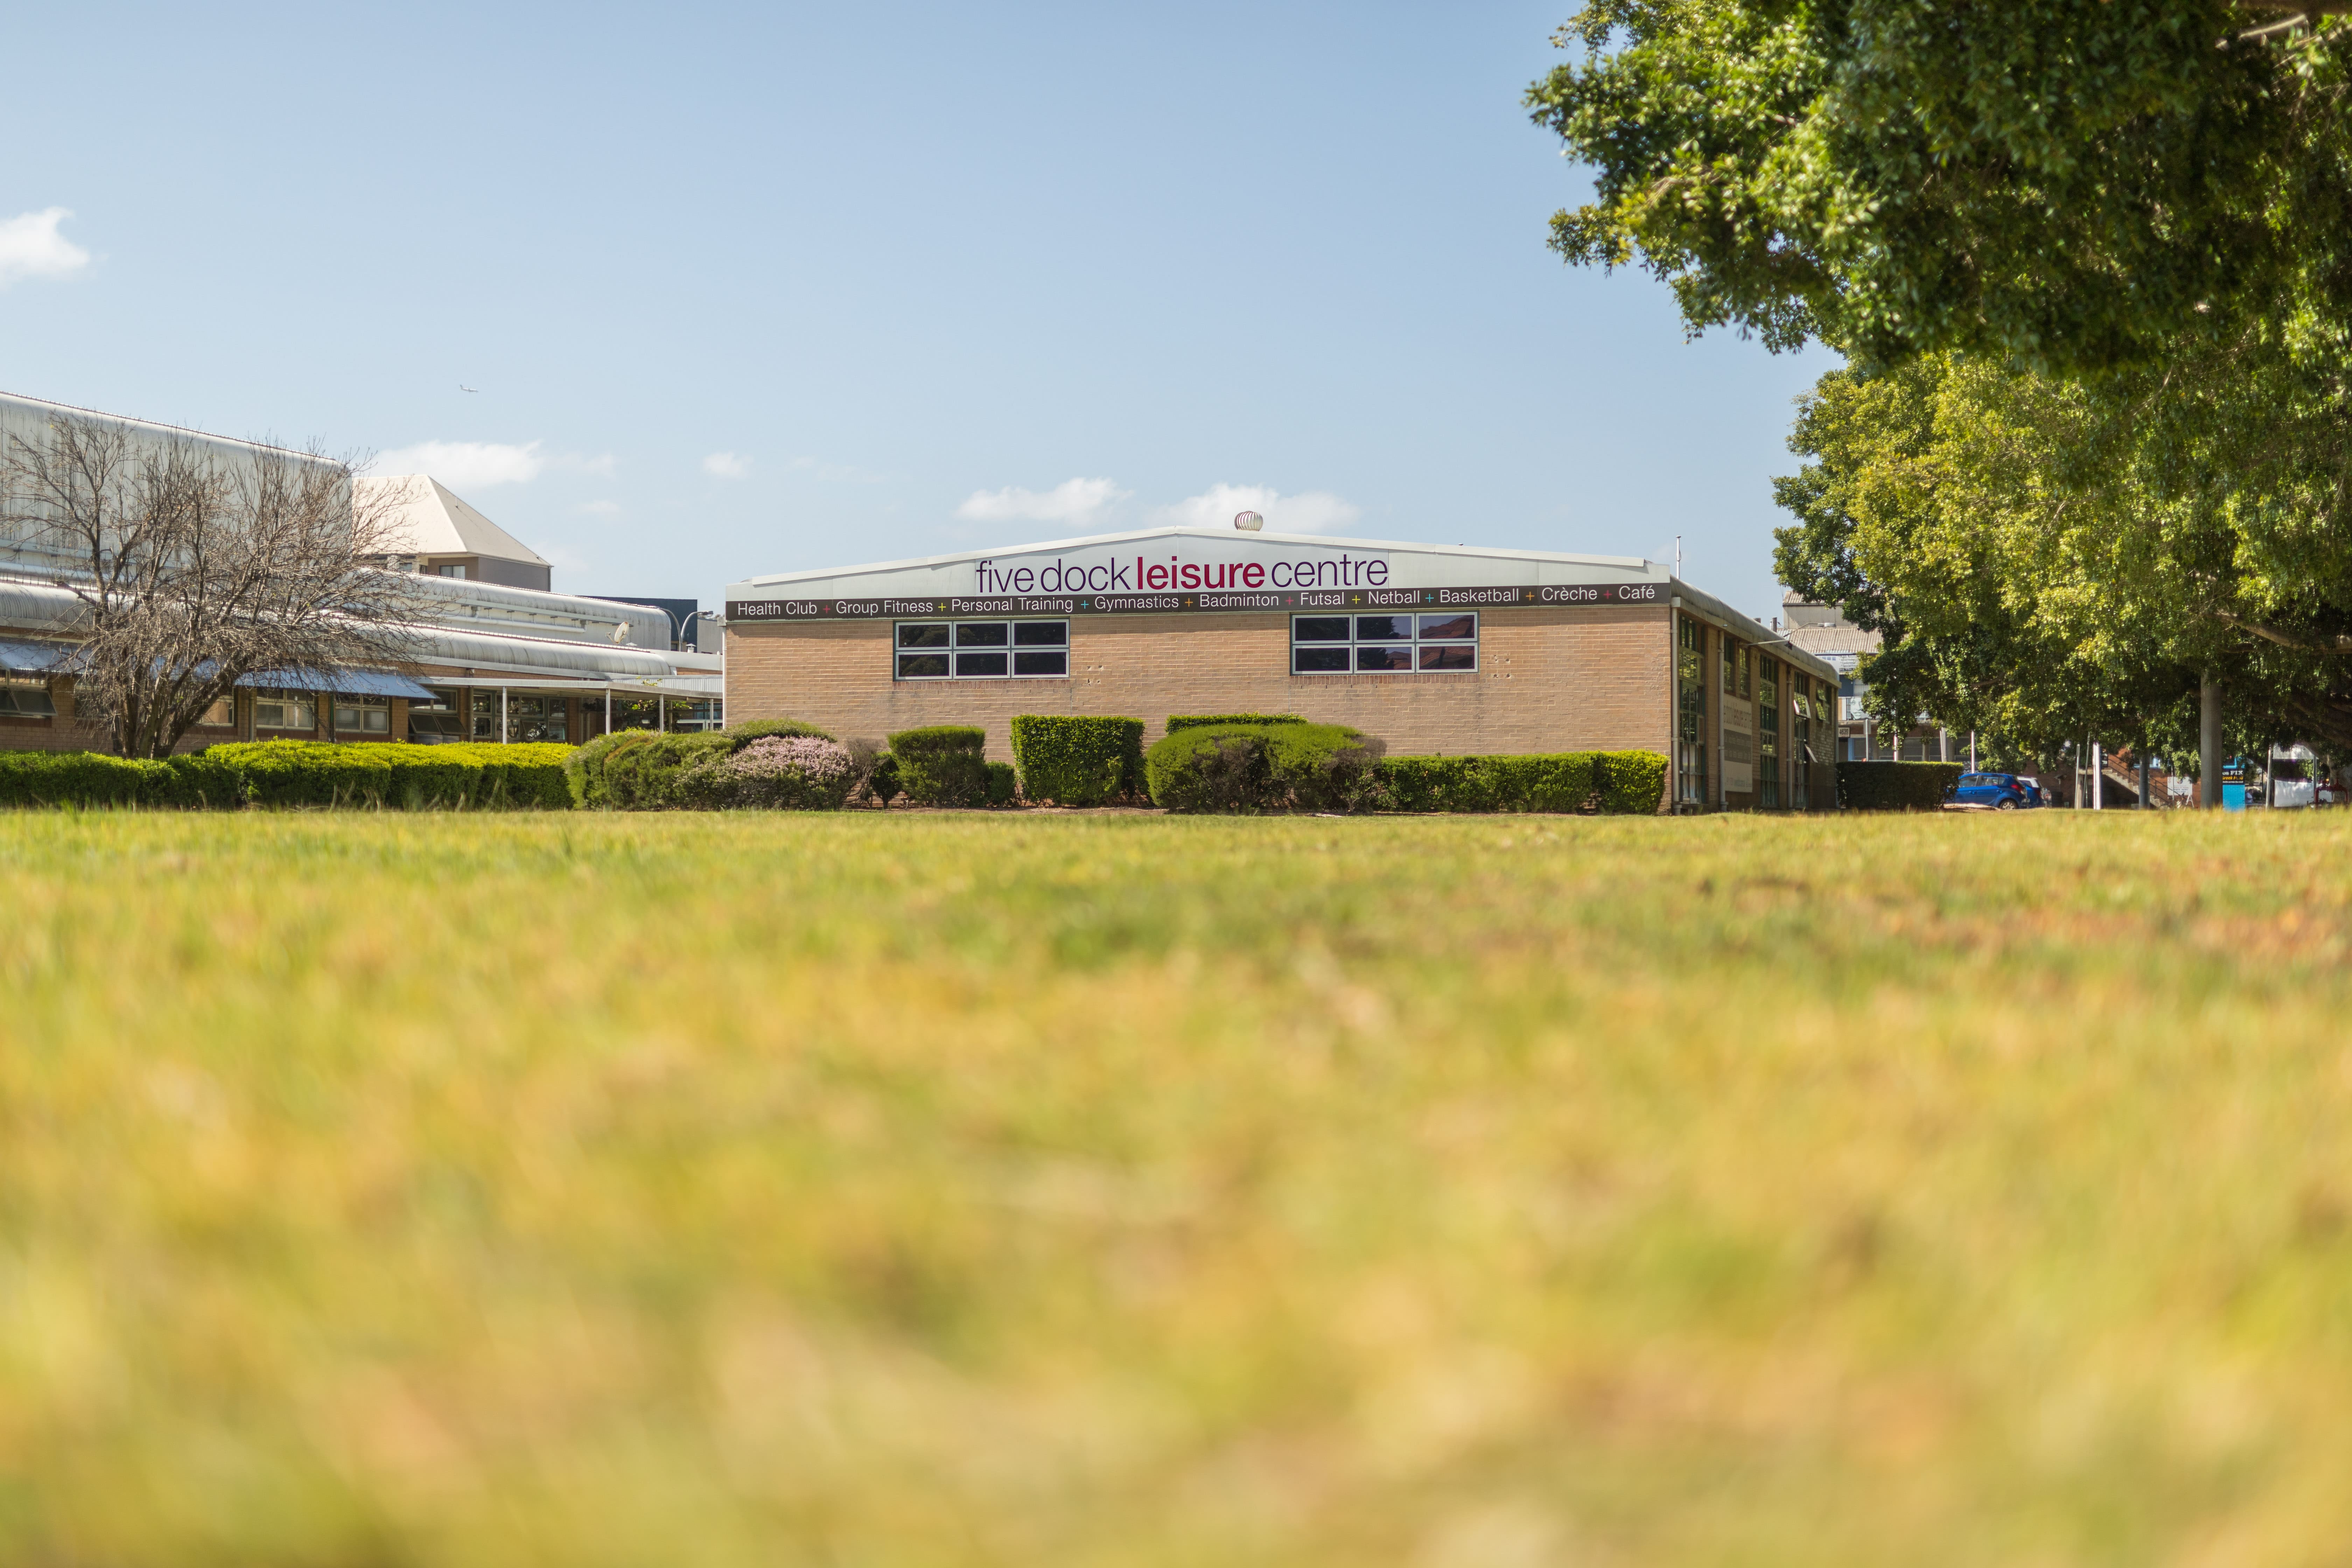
column 958, row 1189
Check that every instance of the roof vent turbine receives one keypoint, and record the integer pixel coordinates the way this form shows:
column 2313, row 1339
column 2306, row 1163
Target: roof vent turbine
column 1248, row 521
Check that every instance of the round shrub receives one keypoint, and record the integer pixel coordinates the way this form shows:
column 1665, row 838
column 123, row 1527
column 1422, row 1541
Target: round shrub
column 789, row 772
column 942, row 765
column 1266, row 767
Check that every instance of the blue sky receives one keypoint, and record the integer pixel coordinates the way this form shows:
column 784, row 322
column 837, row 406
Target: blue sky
column 763, row 290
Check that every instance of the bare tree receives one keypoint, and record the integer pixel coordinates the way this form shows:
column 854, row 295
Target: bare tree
column 195, row 569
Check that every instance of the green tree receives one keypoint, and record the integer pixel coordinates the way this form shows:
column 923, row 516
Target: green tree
column 2092, row 259
column 2028, row 582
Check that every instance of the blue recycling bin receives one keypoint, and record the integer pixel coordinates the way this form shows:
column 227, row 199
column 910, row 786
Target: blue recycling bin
column 2233, row 798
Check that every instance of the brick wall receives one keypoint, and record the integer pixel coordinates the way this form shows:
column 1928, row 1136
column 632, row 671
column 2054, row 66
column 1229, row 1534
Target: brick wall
column 1548, row 681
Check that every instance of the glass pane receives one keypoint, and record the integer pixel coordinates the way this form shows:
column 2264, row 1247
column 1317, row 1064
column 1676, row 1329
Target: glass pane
column 1040, row 634
column 379, row 721
column 1370, row 628
column 1384, row 658
column 983, row 633
column 347, row 717
column 1055, row 662
column 1462, row 656
column 1451, row 628
column 1319, row 628
column 1318, row 661
column 980, row 663
column 922, row 666
column 923, row 637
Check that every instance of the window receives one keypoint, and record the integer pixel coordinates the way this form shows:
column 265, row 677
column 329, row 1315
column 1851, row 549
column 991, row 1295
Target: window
column 285, row 711
column 527, row 718
column 458, row 569
column 1690, row 681
column 363, row 716
column 981, row 650
column 26, row 699
column 1767, row 732
column 221, row 715
column 434, row 723
column 1384, row 645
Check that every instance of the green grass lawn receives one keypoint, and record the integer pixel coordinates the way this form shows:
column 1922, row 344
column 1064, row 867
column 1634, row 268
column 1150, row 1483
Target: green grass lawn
column 948, row 1189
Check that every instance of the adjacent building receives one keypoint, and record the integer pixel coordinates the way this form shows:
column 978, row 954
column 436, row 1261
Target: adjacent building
column 1823, row 631
column 1434, row 648
column 496, row 655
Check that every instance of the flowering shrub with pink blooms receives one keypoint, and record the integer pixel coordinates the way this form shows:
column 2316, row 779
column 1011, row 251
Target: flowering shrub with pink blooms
column 789, row 772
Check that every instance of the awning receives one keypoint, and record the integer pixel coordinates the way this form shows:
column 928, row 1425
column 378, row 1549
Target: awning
column 339, row 682
column 32, row 657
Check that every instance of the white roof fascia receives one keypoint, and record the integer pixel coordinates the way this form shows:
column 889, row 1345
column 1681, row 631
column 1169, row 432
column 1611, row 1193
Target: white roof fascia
column 1626, row 568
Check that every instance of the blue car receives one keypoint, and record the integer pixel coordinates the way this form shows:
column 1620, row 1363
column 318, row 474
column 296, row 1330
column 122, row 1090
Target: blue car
column 1991, row 792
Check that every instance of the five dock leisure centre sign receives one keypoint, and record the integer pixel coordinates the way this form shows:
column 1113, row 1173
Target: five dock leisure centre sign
column 1160, row 584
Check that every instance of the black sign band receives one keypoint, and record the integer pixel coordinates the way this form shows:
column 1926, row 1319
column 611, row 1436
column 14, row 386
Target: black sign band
column 1303, row 599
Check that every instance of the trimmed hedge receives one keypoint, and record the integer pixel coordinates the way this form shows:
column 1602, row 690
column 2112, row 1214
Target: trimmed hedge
column 1077, row 761
column 294, row 773
column 1895, row 787
column 1560, row 781
column 1201, row 720
column 1627, row 783
column 389, row 776
column 1632, row 784
column 99, row 779
column 942, row 764
column 1266, row 767
column 1004, row 785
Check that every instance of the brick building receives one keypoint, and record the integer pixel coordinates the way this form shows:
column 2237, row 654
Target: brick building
column 1433, row 649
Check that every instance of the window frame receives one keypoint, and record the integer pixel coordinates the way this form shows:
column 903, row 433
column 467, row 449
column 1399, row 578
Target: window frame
column 361, row 704
column 33, row 691
column 1355, row 642
column 280, row 697
column 954, row 648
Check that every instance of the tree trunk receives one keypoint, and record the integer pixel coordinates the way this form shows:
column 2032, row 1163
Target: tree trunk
column 2209, row 742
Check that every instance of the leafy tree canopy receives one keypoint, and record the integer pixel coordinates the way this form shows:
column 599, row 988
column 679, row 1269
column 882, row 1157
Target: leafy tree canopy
column 2079, row 183
column 2090, row 263
column 2032, row 582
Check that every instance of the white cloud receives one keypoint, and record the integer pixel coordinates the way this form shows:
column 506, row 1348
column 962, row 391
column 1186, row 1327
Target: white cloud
column 1076, row 502
column 467, row 465
column 478, row 464
column 31, row 247
column 1309, row 512
column 727, row 465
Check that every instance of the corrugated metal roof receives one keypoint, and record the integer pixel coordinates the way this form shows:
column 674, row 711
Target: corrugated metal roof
column 337, row 682
column 32, row 657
